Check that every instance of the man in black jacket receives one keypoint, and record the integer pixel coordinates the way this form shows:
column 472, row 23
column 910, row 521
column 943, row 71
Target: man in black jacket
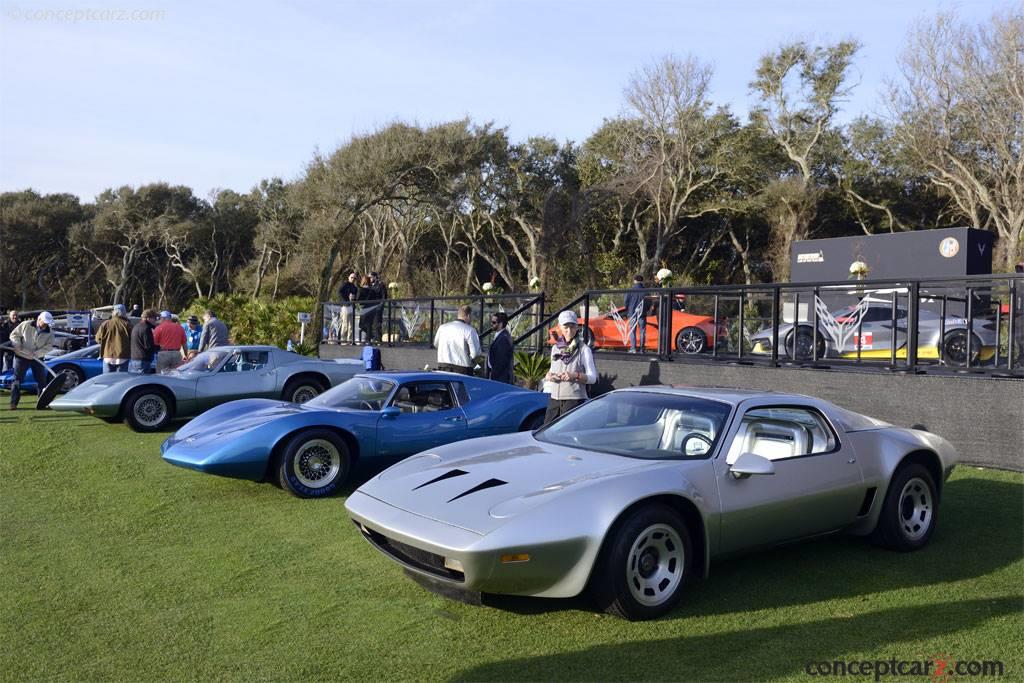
column 499, row 355
column 10, row 321
column 143, row 346
column 374, row 313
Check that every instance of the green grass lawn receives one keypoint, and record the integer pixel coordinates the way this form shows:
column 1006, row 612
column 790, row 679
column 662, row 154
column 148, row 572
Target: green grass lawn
column 117, row 566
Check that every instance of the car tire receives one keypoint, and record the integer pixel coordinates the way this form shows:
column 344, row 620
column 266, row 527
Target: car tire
column 800, row 342
column 644, row 564
column 534, row 421
column 302, row 389
column 148, row 409
column 909, row 511
column 73, row 376
column 314, row 464
column 691, row 340
column 954, row 348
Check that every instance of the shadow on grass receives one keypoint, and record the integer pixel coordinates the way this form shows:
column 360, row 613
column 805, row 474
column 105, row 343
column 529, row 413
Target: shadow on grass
column 760, row 653
column 980, row 530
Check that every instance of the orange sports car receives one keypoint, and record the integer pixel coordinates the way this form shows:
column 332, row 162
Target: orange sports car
column 691, row 333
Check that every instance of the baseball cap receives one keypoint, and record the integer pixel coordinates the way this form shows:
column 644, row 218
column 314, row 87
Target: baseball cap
column 45, row 318
column 567, row 318
column 165, row 314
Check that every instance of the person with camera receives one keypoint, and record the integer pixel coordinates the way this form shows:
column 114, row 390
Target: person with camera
column 572, row 369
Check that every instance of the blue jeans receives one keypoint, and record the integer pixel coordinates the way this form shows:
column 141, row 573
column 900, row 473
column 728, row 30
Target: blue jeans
column 141, row 367
column 110, row 367
column 637, row 325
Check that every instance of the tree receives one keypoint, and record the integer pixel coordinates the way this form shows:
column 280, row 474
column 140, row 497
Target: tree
column 959, row 115
column 799, row 88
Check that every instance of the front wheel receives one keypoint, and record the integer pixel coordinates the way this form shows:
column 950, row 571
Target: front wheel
column 644, row 564
column 909, row 510
column 314, row 464
column 691, row 340
column 800, row 344
column 148, row 410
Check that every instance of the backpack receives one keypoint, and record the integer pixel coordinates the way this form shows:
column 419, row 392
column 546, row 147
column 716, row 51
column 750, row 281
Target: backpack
column 371, row 358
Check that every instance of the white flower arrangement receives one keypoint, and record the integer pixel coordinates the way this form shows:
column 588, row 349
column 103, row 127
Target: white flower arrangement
column 488, row 286
column 859, row 269
column 535, row 283
column 393, row 285
column 664, row 277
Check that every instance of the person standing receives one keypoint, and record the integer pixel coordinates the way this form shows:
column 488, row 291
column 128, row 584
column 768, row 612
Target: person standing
column 114, row 338
column 635, row 315
column 572, row 369
column 458, row 344
column 349, row 293
column 193, row 331
column 376, row 291
column 170, row 341
column 6, row 327
column 143, row 346
column 215, row 332
column 31, row 341
column 500, row 353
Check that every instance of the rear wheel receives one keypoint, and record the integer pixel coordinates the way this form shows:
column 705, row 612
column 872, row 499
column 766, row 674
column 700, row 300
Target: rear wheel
column 72, row 375
column 535, row 421
column 314, row 464
column 800, row 344
column 954, row 348
column 691, row 340
column 909, row 510
column 148, row 409
column 303, row 389
column 644, row 564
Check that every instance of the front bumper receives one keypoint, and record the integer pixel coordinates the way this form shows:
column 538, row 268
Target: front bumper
column 87, row 407
column 423, row 545
column 249, row 463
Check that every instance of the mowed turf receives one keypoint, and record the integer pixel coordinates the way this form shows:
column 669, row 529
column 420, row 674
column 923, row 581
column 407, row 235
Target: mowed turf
column 117, row 566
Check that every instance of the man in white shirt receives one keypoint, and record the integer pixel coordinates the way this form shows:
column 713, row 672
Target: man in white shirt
column 458, row 344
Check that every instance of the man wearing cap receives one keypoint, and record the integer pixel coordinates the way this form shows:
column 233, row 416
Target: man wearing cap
column 143, row 346
column 458, row 344
column 170, row 341
column 31, row 341
column 193, row 333
column 572, row 369
column 114, row 338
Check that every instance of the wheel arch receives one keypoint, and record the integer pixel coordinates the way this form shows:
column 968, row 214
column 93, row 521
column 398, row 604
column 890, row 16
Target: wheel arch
column 158, row 388
column 691, row 515
column 531, row 416
column 324, row 380
column 278, row 448
column 927, row 458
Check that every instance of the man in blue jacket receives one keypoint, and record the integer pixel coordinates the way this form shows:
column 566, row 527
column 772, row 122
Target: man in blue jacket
column 499, row 355
column 635, row 315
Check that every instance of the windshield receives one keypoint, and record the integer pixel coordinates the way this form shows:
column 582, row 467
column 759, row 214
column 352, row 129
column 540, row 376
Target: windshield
column 358, row 393
column 207, row 361
column 642, row 425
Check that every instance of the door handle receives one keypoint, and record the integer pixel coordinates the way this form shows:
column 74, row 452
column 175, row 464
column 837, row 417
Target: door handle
column 457, row 418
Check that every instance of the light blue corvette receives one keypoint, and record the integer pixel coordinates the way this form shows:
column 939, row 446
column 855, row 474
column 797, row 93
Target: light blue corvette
column 310, row 448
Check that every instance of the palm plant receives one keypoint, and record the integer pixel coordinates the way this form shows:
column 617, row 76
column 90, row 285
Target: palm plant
column 531, row 368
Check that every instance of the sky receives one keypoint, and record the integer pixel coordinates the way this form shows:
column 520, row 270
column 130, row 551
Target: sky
column 100, row 94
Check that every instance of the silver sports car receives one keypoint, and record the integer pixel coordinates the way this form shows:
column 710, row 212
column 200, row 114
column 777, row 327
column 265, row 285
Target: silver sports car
column 634, row 492
column 148, row 402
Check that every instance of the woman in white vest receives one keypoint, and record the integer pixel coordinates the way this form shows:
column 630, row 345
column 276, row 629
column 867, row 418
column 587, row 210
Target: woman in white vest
column 572, row 369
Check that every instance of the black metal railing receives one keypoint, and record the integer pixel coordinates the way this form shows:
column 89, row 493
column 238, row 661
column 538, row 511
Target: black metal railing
column 414, row 321
column 969, row 324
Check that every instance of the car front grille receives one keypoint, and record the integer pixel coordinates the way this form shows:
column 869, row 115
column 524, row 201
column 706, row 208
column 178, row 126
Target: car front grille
column 411, row 557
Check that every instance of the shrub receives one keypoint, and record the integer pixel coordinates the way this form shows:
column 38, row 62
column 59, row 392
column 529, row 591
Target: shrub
column 531, row 368
column 252, row 321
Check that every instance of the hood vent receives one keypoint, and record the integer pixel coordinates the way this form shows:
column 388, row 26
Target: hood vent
column 446, row 475
column 489, row 484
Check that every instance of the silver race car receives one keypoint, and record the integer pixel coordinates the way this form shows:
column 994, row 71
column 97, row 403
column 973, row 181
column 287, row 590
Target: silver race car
column 635, row 492
column 148, row 402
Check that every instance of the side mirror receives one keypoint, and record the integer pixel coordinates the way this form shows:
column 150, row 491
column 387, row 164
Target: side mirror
column 751, row 463
column 390, row 413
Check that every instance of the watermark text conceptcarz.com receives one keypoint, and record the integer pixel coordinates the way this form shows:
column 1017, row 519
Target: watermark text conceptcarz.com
column 74, row 15
column 937, row 669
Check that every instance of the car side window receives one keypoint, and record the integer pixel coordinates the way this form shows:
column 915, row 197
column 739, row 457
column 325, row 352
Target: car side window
column 461, row 393
column 423, row 397
column 246, row 361
column 781, row 432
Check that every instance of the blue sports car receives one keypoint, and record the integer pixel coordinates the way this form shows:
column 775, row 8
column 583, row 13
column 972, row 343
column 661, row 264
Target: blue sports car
column 385, row 416
column 75, row 366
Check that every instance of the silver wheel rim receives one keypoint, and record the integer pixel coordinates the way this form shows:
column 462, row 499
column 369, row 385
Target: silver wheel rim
column 70, row 379
column 150, row 410
column 915, row 509
column 304, row 393
column 690, row 342
column 317, row 463
column 654, row 565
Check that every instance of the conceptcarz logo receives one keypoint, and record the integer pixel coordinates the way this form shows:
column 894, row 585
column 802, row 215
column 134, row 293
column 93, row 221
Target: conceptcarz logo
column 936, row 669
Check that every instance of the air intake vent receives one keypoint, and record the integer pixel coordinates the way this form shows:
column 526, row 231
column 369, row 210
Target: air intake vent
column 446, row 475
column 869, row 498
column 489, row 484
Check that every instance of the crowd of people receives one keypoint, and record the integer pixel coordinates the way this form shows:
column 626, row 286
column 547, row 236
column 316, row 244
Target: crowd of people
column 370, row 290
